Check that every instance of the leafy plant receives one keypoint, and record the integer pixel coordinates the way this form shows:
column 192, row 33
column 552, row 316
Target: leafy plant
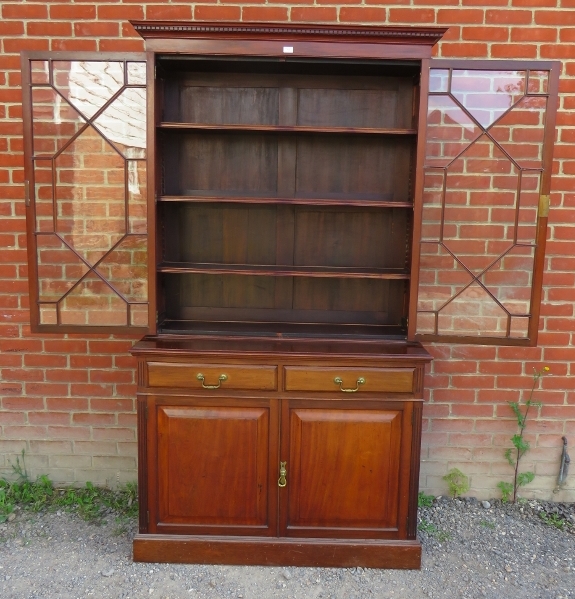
column 506, row 490
column 458, row 483
column 553, row 520
column 520, row 445
column 433, row 531
column 487, row 524
column 424, row 500
column 90, row 503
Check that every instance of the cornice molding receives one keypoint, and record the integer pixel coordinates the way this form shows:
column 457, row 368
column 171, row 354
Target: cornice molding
column 254, row 31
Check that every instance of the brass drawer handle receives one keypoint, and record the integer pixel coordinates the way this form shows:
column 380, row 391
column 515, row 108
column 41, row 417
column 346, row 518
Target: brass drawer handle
column 282, row 481
column 339, row 381
column 221, row 378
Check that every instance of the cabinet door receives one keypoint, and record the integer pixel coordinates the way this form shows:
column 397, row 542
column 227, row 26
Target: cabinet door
column 348, row 466
column 211, row 466
column 482, row 201
column 86, row 179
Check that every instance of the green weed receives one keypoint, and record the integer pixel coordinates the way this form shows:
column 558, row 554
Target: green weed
column 424, row 500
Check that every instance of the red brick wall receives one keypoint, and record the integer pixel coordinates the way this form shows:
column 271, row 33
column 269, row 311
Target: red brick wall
column 68, row 400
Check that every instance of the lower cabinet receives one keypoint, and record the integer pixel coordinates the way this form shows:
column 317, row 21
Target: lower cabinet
column 325, row 476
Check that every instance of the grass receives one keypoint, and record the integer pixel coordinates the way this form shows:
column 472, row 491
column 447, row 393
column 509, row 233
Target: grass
column 433, row 531
column 424, row 500
column 90, row 503
column 554, row 520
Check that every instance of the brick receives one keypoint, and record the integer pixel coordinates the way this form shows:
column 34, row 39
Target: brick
column 534, row 34
column 96, row 29
column 72, row 11
column 314, row 14
column 51, row 28
column 264, row 13
column 112, row 405
column 24, row 11
column 120, row 434
column 203, row 12
column 406, row 15
column 70, row 461
column 167, row 12
column 24, row 432
column 74, row 45
column 464, row 50
column 51, row 447
column 68, row 432
column 492, row 34
column 508, row 17
column 49, row 418
column 120, row 13
column 458, row 16
column 87, row 419
column 559, row 18
column 95, row 448
column 114, row 462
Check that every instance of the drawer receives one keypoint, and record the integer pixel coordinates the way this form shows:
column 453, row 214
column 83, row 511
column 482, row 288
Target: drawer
column 375, row 380
column 237, row 376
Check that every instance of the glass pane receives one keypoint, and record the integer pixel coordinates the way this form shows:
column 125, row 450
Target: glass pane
column 88, row 85
column 123, row 123
column 509, row 280
column 48, row 314
column 90, row 195
column 93, row 303
column 44, row 205
column 59, row 268
column 138, row 315
column 54, row 121
column 125, row 268
column 439, row 80
column 473, row 312
column 449, row 131
column 486, row 95
column 520, row 132
column 39, row 71
column 538, row 82
column 137, row 197
column 136, row 73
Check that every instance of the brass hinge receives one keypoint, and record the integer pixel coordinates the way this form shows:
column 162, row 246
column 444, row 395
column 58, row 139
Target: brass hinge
column 544, row 201
column 27, row 192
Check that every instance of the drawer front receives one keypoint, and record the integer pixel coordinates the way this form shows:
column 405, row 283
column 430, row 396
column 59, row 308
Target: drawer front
column 350, row 380
column 212, row 376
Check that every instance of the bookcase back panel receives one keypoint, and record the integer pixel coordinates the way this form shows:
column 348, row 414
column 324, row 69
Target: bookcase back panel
column 283, row 299
column 354, row 167
column 216, row 163
column 350, row 237
column 216, row 233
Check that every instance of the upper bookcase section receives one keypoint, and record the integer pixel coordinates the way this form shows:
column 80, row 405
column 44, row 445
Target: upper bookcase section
column 289, row 41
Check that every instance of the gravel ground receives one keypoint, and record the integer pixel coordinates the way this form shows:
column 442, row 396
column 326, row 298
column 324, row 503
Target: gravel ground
column 470, row 550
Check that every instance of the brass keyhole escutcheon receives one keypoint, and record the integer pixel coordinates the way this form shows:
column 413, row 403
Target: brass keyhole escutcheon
column 282, row 481
column 221, row 379
column 339, row 381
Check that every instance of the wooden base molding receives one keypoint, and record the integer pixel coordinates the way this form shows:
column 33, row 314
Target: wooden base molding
column 257, row 551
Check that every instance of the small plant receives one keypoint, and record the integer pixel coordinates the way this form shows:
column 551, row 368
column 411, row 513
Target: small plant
column 506, row 490
column 433, row 531
column 458, row 483
column 520, row 445
column 487, row 524
column 424, row 500
column 553, row 520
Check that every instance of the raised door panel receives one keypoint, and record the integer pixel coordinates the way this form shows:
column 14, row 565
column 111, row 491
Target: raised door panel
column 213, row 469
column 343, row 472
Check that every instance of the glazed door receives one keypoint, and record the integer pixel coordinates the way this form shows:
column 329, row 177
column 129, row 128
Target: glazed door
column 211, row 463
column 347, row 466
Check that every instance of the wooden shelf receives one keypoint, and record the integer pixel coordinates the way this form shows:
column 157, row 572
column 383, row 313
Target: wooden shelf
column 283, row 129
column 283, row 271
column 303, row 201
